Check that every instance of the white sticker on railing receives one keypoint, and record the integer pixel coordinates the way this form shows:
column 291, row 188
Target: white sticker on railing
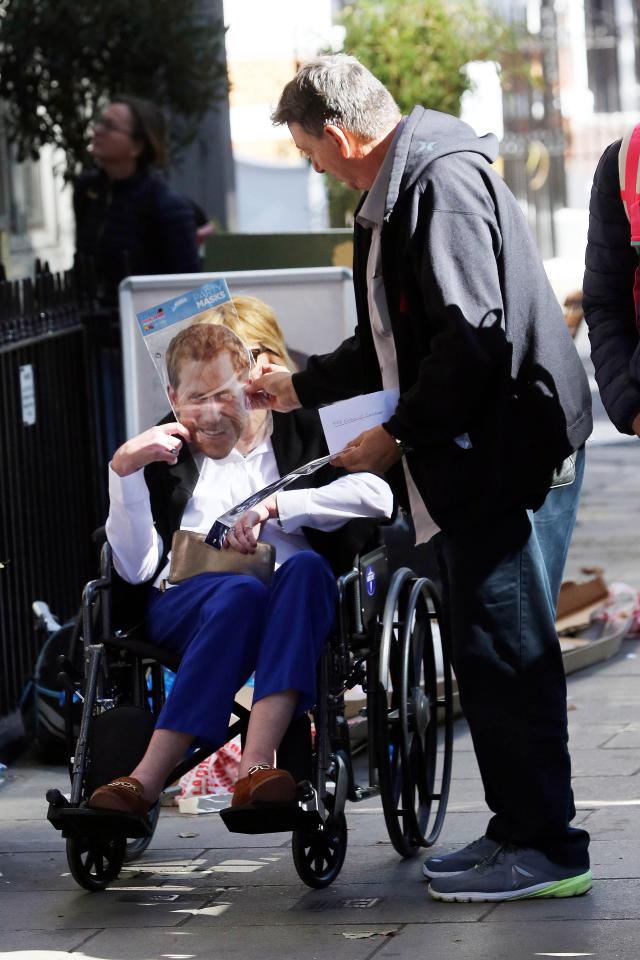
column 27, row 395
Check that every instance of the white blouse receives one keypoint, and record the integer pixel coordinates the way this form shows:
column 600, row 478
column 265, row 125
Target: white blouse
column 137, row 546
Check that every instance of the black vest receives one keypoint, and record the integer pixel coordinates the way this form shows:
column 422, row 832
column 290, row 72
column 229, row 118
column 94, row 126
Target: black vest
column 297, row 438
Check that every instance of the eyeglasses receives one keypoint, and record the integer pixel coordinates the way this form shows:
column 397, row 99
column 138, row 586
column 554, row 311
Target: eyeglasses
column 108, row 124
column 256, row 351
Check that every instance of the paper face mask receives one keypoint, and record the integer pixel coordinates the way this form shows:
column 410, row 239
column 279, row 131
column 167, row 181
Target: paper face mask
column 208, row 367
column 204, row 366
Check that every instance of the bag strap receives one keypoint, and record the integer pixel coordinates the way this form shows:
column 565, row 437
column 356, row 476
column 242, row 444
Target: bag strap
column 629, row 174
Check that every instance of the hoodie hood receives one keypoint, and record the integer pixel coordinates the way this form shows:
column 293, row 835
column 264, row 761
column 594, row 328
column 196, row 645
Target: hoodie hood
column 426, row 136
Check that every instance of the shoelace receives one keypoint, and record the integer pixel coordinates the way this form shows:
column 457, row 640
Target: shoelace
column 496, row 857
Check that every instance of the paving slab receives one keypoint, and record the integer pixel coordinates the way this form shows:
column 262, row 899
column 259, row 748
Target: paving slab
column 36, row 835
column 613, row 823
column 346, row 903
column 17, row 872
column 314, row 941
column 615, row 860
column 607, row 763
column 626, row 739
column 41, row 945
column 207, row 829
column 585, row 735
column 516, row 939
column 592, row 789
column 50, row 910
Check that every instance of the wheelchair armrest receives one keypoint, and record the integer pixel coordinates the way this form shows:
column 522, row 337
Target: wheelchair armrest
column 99, row 535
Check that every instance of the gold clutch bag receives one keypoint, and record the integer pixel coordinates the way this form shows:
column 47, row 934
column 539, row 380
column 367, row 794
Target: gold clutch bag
column 190, row 555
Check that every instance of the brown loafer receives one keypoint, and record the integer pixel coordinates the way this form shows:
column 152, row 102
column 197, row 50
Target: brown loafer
column 124, row 794
column 264, row 784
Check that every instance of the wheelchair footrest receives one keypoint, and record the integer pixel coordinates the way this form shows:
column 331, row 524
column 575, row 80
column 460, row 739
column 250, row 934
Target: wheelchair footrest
column 85, row 822
column 268, row 818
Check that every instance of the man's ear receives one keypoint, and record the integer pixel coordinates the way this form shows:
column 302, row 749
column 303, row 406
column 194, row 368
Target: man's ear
column 341, row 138
column 173, row 399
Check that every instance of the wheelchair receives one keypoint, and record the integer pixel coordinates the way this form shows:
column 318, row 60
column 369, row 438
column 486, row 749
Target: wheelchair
column 390, row 638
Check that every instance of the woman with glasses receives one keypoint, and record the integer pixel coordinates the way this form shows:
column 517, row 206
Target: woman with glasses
column 128, row 221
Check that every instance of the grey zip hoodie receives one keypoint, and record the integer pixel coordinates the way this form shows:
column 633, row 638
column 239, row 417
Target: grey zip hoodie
column 481, row 342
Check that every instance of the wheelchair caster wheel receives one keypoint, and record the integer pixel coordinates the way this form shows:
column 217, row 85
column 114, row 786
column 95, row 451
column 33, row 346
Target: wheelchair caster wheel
column 318, row 854
column 95, row 862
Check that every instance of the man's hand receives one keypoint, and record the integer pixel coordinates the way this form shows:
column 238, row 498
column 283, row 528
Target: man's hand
column 162, row 442
column 273, row 388
column 635, row 426
column 374, row 450
column 243, row 535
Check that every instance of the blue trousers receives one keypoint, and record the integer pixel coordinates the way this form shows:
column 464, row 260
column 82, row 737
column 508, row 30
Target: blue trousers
column 227, row 626
column 502, row 592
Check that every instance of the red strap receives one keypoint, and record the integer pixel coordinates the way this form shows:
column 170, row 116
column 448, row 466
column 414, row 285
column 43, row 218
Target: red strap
column 630, row 194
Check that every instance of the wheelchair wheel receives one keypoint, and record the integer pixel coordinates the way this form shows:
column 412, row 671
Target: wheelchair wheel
column 95, row 862
column 405, row 723
column 136, row 847
column 429, row 770
column 318, row 854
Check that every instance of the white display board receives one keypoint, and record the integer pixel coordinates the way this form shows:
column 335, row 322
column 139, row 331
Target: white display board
column 315, row 307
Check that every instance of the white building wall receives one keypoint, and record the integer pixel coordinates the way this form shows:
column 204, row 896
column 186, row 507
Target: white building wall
column 266, row 42
column 49, row 235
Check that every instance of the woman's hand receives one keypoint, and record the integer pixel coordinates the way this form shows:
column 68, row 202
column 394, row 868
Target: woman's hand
column 161, row 442
column 243, row 535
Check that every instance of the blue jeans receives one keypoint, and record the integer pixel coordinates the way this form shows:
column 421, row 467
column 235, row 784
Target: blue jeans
column 502, row 590
column 226, row 626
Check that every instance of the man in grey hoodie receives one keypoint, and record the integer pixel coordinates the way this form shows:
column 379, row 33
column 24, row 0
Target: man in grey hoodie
column 485, row 446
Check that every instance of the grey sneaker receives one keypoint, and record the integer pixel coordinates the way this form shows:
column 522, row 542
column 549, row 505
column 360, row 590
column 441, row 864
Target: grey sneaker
column 512, row 874
column 451, row 864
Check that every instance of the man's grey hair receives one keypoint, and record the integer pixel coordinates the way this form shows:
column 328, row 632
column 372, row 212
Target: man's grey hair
column 337, row 89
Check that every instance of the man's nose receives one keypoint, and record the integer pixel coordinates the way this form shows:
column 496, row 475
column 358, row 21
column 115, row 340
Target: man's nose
column 316, row 166
column 211, row 410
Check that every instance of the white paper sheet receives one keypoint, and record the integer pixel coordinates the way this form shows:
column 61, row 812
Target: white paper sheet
column 347, row 419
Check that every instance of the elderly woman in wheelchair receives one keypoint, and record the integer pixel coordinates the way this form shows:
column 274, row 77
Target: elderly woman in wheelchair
column 182, row 474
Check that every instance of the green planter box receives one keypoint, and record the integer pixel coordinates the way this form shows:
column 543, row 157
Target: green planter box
column 276, row 251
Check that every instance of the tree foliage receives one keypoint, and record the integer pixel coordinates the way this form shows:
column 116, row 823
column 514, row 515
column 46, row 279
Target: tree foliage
column 62, row 60
column 418, row 49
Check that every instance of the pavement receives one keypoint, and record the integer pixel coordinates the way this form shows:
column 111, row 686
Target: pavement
column 202, row 892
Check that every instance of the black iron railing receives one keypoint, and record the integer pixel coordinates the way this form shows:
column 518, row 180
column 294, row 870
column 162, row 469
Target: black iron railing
column 51, row 490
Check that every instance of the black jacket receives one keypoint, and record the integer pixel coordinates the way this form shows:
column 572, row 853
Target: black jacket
column 609, row 310
column 481, row 342
column 132, row 227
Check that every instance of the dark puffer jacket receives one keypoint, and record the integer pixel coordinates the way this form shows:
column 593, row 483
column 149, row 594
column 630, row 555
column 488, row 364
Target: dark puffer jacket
column 609, row 309
column 131, row 227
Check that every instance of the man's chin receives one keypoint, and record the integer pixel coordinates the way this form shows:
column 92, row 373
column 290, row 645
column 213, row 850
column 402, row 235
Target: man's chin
column 216, row 448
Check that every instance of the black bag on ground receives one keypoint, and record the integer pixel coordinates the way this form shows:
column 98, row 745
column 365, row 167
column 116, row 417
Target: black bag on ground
column 44, row 702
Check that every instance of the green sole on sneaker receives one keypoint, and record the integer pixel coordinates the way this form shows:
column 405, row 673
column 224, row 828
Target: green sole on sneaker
column 571, row 887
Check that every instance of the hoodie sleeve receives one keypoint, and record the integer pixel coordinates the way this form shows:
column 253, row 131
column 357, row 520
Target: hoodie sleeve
column 456, row 265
